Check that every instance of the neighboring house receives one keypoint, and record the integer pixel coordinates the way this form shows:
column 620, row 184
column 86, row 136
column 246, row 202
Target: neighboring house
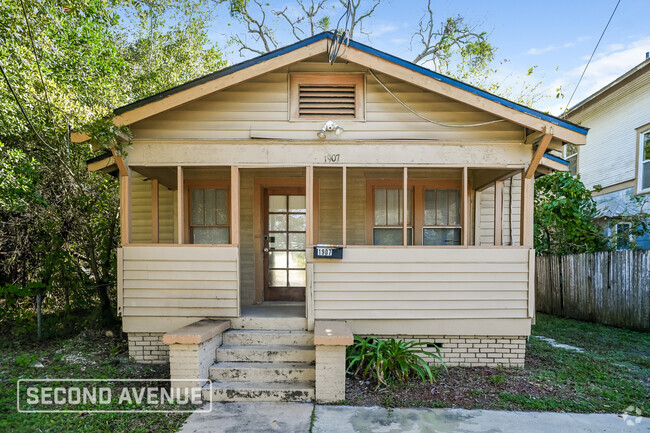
column 617, row 158
column 233, row 180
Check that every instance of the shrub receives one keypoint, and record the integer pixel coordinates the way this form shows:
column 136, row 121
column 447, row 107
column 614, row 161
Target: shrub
column 390, row 360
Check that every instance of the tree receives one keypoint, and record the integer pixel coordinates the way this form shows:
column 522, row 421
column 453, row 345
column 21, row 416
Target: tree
column 564, row 217
column 68, row 67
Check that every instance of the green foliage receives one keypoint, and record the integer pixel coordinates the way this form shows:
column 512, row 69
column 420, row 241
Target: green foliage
column 19, row 180
column 564, row 217
column 387, row 361
column 58, row 222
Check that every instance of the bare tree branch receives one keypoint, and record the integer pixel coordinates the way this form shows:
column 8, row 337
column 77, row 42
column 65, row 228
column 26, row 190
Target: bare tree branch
column 356, row 17
column 452, row 36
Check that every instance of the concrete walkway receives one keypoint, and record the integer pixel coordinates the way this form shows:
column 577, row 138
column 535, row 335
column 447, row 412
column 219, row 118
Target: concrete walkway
column 297, row 418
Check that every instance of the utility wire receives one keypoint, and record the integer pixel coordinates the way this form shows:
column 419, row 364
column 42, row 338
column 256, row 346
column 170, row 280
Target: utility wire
column 592, row 54
column 448, row 125
column 38, row 63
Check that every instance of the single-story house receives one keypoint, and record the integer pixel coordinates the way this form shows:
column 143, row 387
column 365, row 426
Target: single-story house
column 274, row 208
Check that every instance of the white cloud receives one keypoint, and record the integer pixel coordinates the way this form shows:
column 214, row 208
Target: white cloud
column 552, row 47
column 607, row 66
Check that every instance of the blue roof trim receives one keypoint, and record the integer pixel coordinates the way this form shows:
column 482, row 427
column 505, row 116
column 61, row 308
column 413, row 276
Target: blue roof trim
column 326, row 35
column 556, row 159
column 470, row 88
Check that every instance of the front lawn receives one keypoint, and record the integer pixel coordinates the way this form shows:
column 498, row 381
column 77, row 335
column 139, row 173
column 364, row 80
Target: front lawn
column 612, row 374
column 91, row 354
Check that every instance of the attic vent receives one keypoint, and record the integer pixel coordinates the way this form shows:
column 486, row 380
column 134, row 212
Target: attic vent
column 326, row 96
column 326, row 101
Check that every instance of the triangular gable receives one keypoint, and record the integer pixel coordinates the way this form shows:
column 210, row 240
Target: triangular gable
column 362, row 55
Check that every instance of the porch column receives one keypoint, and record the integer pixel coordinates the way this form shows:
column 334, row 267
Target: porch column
column 181, row 205
column 345, row 206
column 125, row 207
column 309, row 196
column 404, row 208
column 234, row 205
column 526, row 224
column 464, row 217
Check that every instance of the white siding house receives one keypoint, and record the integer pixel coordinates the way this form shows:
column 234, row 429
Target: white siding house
column 612, row 165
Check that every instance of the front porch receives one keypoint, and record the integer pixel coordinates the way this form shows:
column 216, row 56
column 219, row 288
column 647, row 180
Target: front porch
column 461, row 255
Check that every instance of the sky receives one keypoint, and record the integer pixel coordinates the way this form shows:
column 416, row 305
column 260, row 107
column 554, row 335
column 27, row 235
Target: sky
column 556, row 37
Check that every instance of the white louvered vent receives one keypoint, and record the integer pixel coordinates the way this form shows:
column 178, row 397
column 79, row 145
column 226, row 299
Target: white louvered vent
column 318, row 101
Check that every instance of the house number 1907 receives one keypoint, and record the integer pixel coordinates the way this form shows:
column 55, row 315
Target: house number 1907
column 332, row 157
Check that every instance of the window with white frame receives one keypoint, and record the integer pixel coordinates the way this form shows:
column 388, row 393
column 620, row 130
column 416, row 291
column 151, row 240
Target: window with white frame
column 571, row 156
column 644, row 162
column 623, row 237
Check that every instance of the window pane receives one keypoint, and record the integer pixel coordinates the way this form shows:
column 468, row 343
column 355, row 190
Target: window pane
column 297, row 241
column 197, row 207
column 222, row 206
column 646, row 146
column 278, row 241
column 210, row 207
column 430, row 207
column 277, row 222
column 297, row 222
column 454, row 207
column 442, row 212
column 380, row 207
column 297, row 259
column 393, row 207
column 391, row 236
column 211, row 235
column 646, row 175
column 277, row 203
column 277, row 259
column 439, row 236
column 297, row 203
column 278, row 278
column 297, row 278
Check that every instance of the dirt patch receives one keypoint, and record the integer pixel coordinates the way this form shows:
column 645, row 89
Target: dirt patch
column 461, row 387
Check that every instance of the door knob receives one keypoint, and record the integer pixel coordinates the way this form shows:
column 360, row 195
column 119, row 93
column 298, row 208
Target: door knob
column 266, row 250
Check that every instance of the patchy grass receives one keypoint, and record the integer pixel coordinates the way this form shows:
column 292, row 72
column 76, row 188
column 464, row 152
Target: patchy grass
column 612, row 374
column 91, row 354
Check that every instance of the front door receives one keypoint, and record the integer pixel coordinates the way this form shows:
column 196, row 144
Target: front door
column 285, row 244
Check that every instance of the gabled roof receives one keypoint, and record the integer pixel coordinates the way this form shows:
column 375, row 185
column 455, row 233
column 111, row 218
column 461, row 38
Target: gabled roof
column 360, row 54
column 628, row 77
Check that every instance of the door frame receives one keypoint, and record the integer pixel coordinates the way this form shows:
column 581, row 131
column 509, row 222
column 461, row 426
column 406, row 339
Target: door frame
column 260, row 184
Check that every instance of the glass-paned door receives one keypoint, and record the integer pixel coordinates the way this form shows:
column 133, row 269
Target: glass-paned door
column 285, row 244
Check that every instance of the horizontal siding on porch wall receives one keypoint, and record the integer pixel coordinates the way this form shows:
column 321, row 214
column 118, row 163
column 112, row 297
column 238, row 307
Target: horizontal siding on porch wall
column 390, row 283
column 180, row 281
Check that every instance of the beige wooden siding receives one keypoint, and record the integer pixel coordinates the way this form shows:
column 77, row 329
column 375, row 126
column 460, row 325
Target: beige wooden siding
column 141, row 231
column 166, row 215
column 423, row 283
column 178, row 281
column 258, row 108
column 511, row 211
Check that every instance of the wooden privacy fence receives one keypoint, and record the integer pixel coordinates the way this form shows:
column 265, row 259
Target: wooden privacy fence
column 611, row 288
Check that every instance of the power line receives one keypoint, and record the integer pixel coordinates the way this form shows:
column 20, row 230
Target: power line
column 448, row 125
column 22, row 109
column 592, row 53
column 38, row 63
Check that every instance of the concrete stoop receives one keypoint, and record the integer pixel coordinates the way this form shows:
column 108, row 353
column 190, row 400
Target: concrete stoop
column 259, row 363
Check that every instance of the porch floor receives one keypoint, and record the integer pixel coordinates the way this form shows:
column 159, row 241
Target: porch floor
column 274, row 310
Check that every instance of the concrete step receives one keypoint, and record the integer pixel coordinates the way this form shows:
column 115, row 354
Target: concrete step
column 256, row 391
column 263, row 371
column 276, row 353
column 269, row 323
column 251, row 337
